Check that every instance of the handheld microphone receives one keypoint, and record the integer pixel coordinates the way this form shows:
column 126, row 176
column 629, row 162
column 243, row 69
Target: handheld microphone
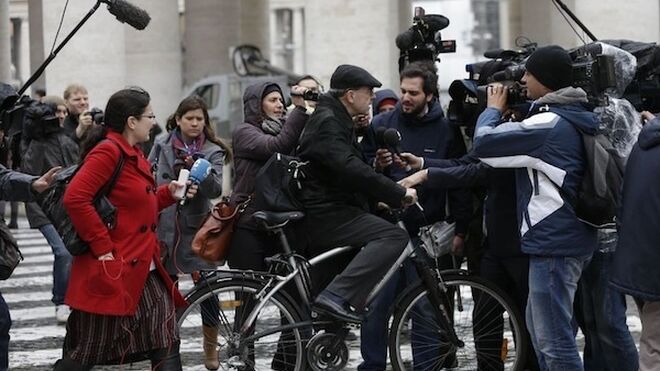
column 198, row 172
column 378, row 136
column 392, row 139
column 128, row 13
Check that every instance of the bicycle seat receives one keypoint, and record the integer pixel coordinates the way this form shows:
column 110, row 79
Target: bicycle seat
column 274, row 218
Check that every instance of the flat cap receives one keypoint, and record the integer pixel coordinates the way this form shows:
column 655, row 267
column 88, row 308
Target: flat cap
column 347, row 76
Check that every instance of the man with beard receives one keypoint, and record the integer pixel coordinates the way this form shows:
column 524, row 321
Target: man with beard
column 426, row 133
column 78, row 122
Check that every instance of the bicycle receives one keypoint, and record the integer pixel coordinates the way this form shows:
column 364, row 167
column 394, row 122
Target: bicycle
column 461, row 321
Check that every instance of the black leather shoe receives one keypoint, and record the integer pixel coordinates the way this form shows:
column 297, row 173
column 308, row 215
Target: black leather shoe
column 325, row 305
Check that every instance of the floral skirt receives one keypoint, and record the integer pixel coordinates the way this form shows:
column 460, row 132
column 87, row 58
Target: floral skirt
column 95, row 339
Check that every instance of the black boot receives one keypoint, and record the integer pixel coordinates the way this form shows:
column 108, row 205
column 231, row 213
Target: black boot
column 166, row 359
column 65, row 364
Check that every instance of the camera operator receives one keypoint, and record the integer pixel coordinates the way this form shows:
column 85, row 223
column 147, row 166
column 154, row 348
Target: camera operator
column 337, row 191
column 79, row 120
column 48, row 146
column 313, row 87
column 547, row 151
column 424, row 131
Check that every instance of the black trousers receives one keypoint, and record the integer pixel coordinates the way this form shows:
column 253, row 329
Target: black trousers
column 511, row 275
column 383, row 243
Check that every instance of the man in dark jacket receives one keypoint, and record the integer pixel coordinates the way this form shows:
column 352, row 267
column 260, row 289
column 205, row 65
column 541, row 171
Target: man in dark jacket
column 337, row 193
column 635, row 265
column 546, row 149
column 424, row 131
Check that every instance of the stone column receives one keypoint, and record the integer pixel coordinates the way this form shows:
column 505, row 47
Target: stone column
column 5, row 55
column 36, row 32
column 211, row 27
column 95, row 56
column 299, row 41
column 153, row 56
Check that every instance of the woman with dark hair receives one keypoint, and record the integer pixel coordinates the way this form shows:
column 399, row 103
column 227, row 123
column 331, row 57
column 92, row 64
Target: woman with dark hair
column 190, row 137
column 122, row 298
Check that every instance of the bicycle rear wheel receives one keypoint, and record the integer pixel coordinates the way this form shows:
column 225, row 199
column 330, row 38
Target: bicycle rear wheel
column 213, row 319
column 483, row 317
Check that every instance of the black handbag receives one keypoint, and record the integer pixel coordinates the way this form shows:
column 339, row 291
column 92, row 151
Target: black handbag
column 10, row 255
column 278, row 183
column 51, row 202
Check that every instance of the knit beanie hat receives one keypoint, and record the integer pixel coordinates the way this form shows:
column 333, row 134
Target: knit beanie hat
column 271, row 88
column 551, row 66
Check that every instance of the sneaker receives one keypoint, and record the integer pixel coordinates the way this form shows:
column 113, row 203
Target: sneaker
column 62, row 312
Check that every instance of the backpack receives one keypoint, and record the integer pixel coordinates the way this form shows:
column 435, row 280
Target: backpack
column 51, row 202
column 278, row 183
column 599, row 195
column 10, row 255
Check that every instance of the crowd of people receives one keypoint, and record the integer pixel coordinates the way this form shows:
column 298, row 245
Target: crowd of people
column 510, row 192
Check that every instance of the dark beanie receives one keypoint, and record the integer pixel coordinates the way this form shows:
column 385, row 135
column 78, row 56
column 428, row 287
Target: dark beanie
column 551, row 66
column 271, row 88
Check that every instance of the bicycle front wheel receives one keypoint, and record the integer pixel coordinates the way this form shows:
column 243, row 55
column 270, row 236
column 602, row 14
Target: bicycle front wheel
column 491, row 331
column 210, row 329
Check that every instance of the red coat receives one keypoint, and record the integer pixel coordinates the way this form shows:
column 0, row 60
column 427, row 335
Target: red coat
column 114, row 287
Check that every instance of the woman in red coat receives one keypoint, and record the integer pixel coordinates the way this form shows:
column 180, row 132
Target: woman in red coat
column 123, row 300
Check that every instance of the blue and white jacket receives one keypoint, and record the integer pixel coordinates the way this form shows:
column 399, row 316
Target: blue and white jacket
column 547, row 151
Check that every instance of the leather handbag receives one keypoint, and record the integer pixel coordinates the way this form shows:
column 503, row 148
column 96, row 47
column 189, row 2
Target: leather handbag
column 213, row 238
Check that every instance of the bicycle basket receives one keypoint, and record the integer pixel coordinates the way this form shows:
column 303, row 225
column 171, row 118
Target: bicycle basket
column 437, row 238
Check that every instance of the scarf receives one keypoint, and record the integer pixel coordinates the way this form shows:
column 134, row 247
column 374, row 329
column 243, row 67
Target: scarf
column 186, row 154
column 271, row 126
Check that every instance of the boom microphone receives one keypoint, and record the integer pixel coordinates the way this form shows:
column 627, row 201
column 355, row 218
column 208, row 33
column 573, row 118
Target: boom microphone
column 128, row 13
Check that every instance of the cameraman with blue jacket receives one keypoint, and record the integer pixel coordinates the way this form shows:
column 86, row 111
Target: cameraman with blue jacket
column 546, row 149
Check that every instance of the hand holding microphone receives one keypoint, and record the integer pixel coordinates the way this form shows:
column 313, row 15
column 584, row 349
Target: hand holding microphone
column 189, row 181
column 392, row 139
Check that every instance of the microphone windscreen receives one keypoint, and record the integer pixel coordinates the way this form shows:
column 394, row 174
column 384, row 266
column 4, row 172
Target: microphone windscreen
column 392, row 137
column 378, row 135
column 128, row 13
column 405, row 40
column 200, row 170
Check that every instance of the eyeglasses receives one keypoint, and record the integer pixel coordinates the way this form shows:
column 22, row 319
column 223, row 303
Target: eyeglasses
column 151, row 117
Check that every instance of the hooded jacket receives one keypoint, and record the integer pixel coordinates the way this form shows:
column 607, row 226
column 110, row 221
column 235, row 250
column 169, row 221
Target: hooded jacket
column 253, row 147
column 433, row 137
column 381, row 95
column 546, row 149
column 634, row 267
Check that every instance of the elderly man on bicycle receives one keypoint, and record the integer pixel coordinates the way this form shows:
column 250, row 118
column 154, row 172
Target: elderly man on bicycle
column 337, row 193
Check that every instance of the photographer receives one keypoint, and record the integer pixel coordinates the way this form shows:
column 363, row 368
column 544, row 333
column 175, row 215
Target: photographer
column 547, row 151
column 424, row 131
column 49, row 146
column 79, row 120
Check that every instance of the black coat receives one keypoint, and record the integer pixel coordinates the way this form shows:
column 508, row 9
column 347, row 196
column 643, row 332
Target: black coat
column 635, row 265
column 339, row 184
column 57, row 149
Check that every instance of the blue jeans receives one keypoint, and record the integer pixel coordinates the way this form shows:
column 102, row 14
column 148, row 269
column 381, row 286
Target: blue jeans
column 374, row 331
column 61, row 265
column 553, row 282
column 601, row 313
column 5, row 325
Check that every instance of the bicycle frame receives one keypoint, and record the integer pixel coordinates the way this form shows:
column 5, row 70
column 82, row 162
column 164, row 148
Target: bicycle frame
column 409, row 251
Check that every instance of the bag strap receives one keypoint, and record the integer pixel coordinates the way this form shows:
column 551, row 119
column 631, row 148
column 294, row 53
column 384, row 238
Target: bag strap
column 115, row 174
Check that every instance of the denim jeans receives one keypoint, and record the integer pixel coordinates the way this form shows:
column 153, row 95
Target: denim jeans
column 601, row 313
column 61, row 265
column 553, row 282
column 5, row 325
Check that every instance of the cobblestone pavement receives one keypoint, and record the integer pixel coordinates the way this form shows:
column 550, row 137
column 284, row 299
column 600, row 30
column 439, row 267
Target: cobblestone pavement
column 36, row 338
